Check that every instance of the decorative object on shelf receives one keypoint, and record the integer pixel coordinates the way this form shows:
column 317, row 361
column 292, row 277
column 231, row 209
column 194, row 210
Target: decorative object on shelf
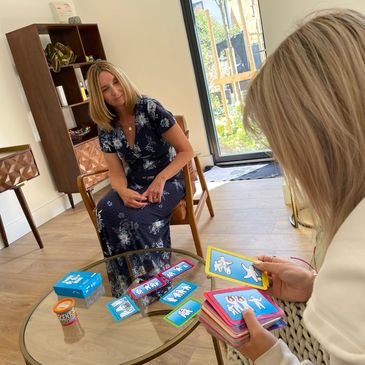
column 89, row 58
column 58, row 55
column 74, row 20
column 17, row 165
column 63, row 10
column 77, row 134
column 61, row 95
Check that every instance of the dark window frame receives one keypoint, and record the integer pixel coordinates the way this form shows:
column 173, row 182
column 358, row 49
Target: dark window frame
column 203, row 90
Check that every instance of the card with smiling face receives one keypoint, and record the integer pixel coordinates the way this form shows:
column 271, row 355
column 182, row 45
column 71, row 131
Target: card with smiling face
column 183, row 313
column 234, row 267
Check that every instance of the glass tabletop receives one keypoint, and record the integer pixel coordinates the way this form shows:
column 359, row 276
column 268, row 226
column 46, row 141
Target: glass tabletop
column 98, row 338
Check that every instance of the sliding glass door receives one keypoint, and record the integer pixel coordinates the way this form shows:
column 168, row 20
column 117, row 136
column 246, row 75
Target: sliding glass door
column 227, row 47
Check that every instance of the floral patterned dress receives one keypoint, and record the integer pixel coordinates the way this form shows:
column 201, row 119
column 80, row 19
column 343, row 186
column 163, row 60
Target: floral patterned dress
column 124, row 229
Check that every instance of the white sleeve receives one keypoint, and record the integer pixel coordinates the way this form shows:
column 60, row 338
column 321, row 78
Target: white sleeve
column 279, row 354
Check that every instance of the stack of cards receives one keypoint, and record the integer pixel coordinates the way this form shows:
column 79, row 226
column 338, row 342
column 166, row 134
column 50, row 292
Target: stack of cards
column 221, row 313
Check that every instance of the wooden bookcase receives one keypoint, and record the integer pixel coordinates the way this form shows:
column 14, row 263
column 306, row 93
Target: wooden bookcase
column 67, row 159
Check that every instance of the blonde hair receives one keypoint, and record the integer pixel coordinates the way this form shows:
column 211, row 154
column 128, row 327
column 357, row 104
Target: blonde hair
column 101, row 113
column 309, row 101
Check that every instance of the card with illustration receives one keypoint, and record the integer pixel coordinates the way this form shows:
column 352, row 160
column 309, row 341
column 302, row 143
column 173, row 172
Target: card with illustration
column 176, row 270
column 146, row 287
column 178, row 293
column 184, row 312
column 237, row 268
column 230, row 303
column 122, row 307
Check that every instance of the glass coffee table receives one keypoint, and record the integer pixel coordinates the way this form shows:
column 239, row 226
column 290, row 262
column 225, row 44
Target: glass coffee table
column 99, row 339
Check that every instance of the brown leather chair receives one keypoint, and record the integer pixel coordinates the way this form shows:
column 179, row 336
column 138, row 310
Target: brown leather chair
column 187, row 211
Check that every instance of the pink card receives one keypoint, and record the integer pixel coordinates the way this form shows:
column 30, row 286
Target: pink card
column 146, row 287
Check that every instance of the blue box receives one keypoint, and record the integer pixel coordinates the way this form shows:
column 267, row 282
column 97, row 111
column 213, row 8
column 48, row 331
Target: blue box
column 78, row 284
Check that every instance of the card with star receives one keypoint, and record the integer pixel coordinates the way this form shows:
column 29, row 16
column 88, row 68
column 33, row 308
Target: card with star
column 234, row 267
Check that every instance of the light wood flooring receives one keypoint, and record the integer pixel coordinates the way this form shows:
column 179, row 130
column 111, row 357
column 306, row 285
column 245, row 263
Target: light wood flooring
column 250, row 219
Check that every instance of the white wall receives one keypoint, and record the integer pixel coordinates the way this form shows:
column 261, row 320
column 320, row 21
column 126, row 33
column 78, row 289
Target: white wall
column 280, row 17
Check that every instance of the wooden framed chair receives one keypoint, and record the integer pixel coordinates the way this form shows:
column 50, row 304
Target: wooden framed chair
column 187, row 211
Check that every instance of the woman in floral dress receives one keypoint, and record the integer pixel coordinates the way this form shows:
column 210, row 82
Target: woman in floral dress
column 145, row 151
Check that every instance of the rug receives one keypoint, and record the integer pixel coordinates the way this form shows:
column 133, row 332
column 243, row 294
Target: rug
column 270, row 170
column 243, row 172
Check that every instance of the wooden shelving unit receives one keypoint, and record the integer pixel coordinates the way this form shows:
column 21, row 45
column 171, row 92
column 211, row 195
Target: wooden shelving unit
column 67, row 159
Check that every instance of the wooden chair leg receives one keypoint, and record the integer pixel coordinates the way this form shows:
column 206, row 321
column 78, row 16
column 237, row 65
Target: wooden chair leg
column 204, row 185
column 194, row 231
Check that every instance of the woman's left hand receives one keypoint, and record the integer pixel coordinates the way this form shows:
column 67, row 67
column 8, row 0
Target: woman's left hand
column 155, row 190
column 261, row 340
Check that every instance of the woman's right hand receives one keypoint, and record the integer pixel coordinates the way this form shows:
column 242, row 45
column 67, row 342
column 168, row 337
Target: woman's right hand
column 133, row 199
column 288, row 280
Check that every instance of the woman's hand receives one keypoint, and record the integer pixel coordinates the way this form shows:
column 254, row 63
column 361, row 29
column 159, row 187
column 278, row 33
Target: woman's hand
column 289, row 281
column 132, row 199
column 260, row 341
column 154, row 192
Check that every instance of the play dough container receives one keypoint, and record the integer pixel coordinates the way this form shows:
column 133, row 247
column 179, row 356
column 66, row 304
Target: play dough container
column 65, row 310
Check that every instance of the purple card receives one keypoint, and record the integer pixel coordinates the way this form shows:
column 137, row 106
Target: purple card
column 146, row 287
column 176, row 270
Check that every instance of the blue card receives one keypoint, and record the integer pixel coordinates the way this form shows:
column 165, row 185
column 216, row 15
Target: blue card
column 176, row 270
column 178, row 293
column 234, row 267
column 184, row 312
column 122, row 307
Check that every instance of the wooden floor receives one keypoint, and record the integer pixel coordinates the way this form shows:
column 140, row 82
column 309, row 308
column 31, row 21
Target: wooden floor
column 250, row 219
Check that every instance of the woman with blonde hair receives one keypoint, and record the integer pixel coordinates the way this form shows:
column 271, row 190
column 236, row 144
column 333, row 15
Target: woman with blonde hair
column 145, row 151
column 309, row 101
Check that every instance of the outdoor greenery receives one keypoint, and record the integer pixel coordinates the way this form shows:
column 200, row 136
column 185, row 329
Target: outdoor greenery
column 233, row 138
column 238, row 140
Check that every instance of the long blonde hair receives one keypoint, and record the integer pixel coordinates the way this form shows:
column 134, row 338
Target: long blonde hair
column 101, row 113
column 309, row 101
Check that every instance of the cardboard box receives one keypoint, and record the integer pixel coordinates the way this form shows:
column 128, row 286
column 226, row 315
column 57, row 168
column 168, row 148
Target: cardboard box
column 78, row 284
column 89, row 300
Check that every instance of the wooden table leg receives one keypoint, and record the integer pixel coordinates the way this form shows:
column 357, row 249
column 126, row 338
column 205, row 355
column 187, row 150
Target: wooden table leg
column 23, row 203
column 218, row 351
column 71, row 200
column 3, row 233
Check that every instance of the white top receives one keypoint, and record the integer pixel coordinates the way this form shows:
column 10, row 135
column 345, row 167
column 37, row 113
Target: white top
column 335, row 313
